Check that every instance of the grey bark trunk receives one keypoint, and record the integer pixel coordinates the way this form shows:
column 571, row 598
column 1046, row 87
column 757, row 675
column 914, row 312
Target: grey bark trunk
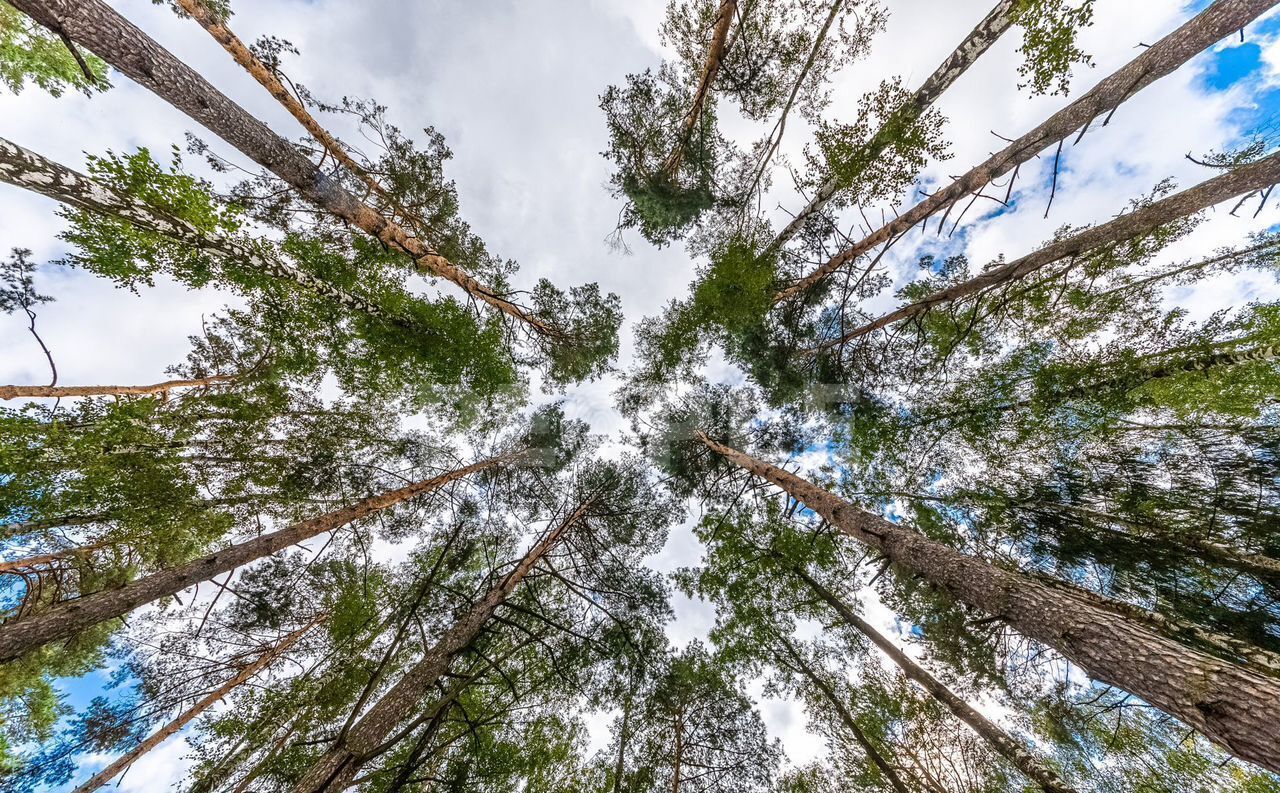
column 1233, row 705
column 1223, row 18
column 979, row 40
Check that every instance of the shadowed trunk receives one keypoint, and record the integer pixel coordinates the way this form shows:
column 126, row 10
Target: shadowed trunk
column 846, row 717
column 1223, row 18
column 1233, row 705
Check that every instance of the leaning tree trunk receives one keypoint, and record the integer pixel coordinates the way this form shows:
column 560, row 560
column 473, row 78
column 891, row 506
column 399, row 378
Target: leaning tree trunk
column 217, row 28
column 1219, row 20
column 338, row 767
column 97, row 27
column 702, row 94
column 979, row 40
column 1239, row 182
column 25, row 168
column 159, row 736
column 846, row 717
column 59, row 392
column 1235, row 706
column 70, row 617
column 1000, row 741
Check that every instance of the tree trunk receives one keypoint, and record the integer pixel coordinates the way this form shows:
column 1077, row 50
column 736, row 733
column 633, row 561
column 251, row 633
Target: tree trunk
column 337, row 768
column 999, row 741
column 846, row 717
column 619, row 767
column 1242, row 181
column 97, row 27
column 258, row 70
column 701, row 95
column 34, row 391
column 678, row 757
column 24, row 168
column 1235, row 706
column 1223, row 18
column 979, row 40
column 70, row 617
column 159, row 736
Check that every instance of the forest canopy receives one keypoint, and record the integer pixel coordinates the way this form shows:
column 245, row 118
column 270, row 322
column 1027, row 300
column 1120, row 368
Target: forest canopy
column 687, row 396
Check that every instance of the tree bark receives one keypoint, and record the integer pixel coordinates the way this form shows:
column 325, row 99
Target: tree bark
column 1219, row 20
column 159, row 736
column 25, row 168
column 988, row 31
column 338, row 767
column 97, row 27
column 710, row 68
column 1000, row 741
column 258, row 70
column 846, row 717
column 1235, row 706
column 34, row 391
column 1242, row 181
column 70, row 617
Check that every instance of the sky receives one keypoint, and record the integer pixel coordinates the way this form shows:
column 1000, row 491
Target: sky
column 514, row 88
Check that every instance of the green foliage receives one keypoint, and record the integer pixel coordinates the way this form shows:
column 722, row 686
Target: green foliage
column 29, row 52
column 1050, row 28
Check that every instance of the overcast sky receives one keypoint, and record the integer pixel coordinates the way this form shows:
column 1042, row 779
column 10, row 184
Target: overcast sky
column 514, row 88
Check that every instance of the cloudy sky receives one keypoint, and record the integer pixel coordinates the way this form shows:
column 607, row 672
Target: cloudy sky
column 513, row 86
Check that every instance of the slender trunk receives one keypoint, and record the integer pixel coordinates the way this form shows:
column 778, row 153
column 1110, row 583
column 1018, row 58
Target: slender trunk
column 1233, row 705
column 97, row 27
column 780, row 127
column 701, row 95
column 979, row 40
column 159, row 736
column 1001, row 742
column 678, row 757
column 619, row 766
column 1223, row 18
column 258, row 70
column 60, row 392
column 337, row 768
column 70, row 617
column 1240, row 182
column 25, row 168
column 846, row 717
